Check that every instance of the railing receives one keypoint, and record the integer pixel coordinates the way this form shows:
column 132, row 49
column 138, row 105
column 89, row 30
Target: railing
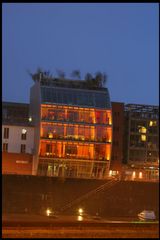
column 103, row 187
column 71, row 138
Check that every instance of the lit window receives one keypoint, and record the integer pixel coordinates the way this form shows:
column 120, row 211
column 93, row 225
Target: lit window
column 50, row 135
column 151, row 123
column 24, row 134
column 140, row 174
column 134, row 174
column 142, row 130
column 143, row 138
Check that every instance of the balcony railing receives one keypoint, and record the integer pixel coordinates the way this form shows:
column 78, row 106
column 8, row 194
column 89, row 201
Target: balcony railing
column 72, row 156
column 81, row 139
column 47, row 119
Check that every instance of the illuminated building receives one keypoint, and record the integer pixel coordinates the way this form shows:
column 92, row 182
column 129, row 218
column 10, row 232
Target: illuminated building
column 73, row 128
column 141, row 141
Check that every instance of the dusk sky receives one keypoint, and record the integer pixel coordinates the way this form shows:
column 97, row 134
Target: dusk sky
column 120, row 39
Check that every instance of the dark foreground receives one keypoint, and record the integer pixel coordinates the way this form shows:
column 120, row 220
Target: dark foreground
column 71, row 227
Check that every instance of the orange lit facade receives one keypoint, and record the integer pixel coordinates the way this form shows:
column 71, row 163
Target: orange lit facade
column 75, row 139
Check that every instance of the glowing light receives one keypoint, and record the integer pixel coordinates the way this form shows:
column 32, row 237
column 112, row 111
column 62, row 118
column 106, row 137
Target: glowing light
column 143, row 138
column 140, row 174
column 110, row 173
column 48, row 211
column 30, row 119
column 79, row 218
column 80, row 210
column 151, row 123
column 50, row 135
column 24, row 131
column 142, row 129
column 134, row 174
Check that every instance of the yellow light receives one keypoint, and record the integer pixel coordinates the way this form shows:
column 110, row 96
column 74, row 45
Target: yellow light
column 134, row 174
column 80, row 218
column 110, row 173
column 140, row 174
column 143, row 138
column 48, row 211
column 151, row 123
column 80, row 210
column 50, row 135
column 142, row 129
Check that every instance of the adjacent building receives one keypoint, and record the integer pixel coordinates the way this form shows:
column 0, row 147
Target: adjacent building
column 141, row 141
column 17, row 139
column 117, row 138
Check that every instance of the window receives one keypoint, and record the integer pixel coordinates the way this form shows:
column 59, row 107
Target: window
column 143, row 137
column 5, row 147
column 23, row 148
column 24, row 134
column 6, row 133
column 48, row 148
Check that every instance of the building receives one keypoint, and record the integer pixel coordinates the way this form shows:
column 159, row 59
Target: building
column 17, row 139
column 141, row 141
column 117, row 136
column 73, row 127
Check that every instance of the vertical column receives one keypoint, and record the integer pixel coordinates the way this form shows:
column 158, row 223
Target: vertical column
column 91, row 151
column 65, row 114
column 65, row 131
column 63, row 153
column 92, row 129
column 76, row 130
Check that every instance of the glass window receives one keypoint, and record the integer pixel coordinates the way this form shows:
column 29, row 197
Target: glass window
column 6, row 133
column 23, row 148
column 24, row 134
column 5, row 147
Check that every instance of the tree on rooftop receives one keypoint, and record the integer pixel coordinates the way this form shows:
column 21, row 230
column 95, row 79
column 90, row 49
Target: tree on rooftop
column 76, row 73
column 60, row 73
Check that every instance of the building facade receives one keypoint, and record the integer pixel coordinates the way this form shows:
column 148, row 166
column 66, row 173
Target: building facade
column 73, row 128
column 17, row 139
column 141, row 142
column 117, row 136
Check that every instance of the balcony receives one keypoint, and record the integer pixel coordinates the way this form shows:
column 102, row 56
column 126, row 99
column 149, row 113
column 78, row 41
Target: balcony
column 76, row 138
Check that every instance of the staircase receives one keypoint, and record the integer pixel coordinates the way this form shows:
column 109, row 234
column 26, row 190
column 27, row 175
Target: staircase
column 109, row 184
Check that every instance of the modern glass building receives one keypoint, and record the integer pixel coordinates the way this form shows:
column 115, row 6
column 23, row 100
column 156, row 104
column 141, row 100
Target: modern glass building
column 73, row 127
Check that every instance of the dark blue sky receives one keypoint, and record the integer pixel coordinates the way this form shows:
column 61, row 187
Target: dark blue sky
column 119, row 39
